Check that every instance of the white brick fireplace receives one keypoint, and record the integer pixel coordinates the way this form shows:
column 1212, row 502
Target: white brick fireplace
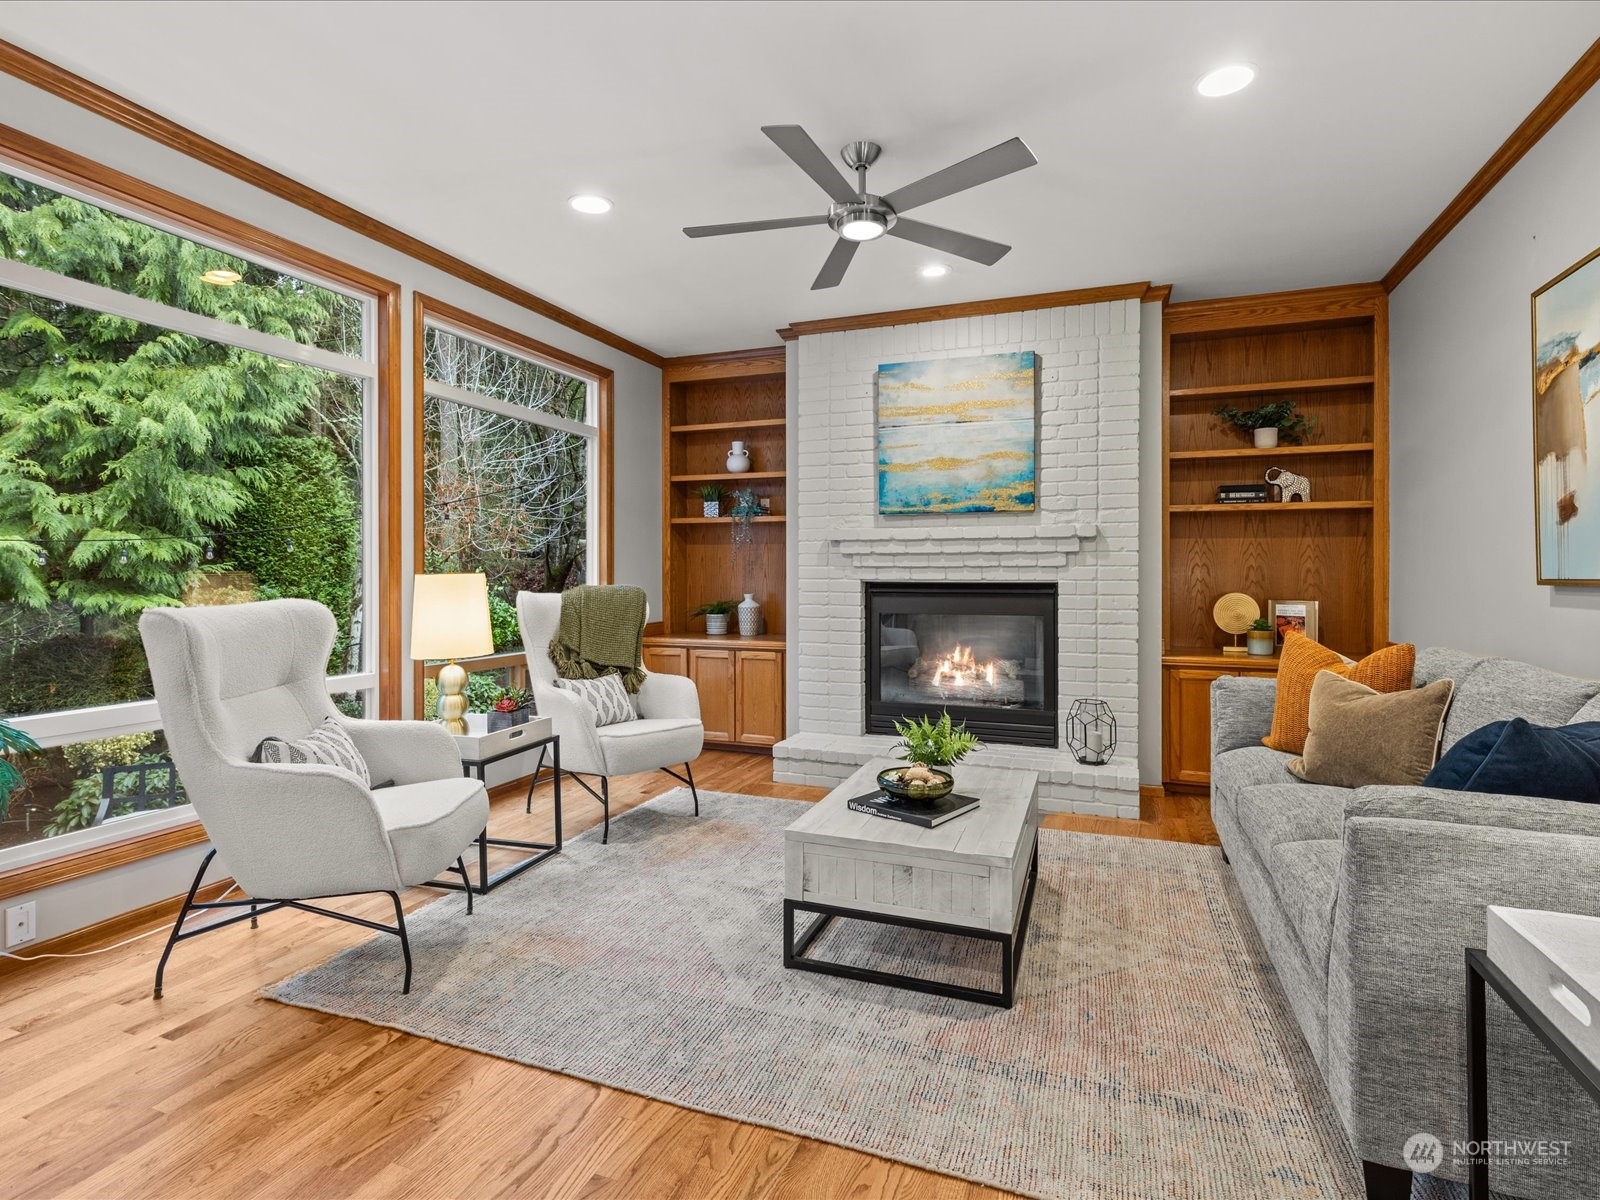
column 1083, row 537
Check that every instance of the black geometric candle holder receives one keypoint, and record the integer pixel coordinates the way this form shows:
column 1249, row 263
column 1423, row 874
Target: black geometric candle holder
column 1091, row 732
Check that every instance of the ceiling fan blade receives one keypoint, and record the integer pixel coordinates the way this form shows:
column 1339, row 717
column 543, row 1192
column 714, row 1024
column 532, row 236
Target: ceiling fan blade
column 963, row 244
column 838, row 262
column 797, row 144
column 698, row 231
column 968, row 173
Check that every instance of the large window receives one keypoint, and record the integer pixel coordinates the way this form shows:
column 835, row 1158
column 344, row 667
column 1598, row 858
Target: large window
column 510, row 447
column 179, row 425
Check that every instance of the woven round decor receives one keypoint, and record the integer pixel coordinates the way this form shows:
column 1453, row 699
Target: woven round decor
column 1235, row 612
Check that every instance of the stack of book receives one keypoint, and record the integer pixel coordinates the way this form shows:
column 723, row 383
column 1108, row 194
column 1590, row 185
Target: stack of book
column 926, row 814
column 1243, row 493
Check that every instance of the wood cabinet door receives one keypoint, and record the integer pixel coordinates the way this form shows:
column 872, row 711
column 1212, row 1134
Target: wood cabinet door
column 666, row 660
column 758, row 697
column 1187, row 729
column 712, row 672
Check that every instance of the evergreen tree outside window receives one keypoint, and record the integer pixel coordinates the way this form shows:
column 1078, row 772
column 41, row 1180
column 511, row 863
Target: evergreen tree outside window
column 164, row 440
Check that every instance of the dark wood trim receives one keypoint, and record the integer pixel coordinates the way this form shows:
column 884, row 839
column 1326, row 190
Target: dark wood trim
column 1150, row 799
column 59, row 82
column 1571, row 88
column 426, row 307
column 737, row 364
column 759, row 353
column 1158, row 293
column 1309, row 306
column 78, row 863
column 105, row 934
column 971, row 308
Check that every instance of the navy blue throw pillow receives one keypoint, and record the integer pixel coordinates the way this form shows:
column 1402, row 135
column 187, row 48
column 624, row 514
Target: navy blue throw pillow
column 1514, row 758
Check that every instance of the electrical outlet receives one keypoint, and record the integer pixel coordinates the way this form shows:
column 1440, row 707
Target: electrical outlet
column 19, row 924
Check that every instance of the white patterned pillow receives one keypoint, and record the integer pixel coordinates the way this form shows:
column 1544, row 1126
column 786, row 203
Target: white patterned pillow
column 327, row 744
column 606, row 696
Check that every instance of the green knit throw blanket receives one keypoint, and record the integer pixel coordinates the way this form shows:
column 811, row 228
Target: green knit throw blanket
column 601, row 633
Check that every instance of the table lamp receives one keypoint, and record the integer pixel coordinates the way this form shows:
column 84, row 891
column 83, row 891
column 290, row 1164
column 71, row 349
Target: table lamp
column 450, row 620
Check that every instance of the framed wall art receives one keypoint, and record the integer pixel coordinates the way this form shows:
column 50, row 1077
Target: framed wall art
column 1566, row 377
column 1288, row 616
column 957, row 435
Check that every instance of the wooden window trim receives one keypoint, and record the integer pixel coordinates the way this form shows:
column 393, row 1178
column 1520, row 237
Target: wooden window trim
column 425, row 308
column 144, row 199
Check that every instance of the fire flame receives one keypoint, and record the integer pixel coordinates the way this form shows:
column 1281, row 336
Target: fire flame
column 958, row 668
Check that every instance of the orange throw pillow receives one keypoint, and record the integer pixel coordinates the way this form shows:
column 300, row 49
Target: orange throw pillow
column 1386, row 670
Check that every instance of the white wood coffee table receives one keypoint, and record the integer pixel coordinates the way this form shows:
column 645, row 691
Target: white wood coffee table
column 972, row 876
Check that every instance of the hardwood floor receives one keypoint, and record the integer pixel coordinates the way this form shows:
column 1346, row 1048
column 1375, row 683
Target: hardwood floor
column 216, row 1092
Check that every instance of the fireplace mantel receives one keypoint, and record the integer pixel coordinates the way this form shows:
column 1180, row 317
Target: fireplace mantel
column 876, row 547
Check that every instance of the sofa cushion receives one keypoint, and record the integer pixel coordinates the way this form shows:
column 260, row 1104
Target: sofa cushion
column 1514, row 758
column 1441, row 662
column 1497, row 689
column 1387, row 670
column 1305, row 876
column 1359, row 736
column 1251, row 766
column 1274, row 814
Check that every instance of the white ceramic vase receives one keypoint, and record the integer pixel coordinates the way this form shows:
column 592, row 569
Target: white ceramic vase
column 738, row 459
column 749, row 616
column 1266, row 438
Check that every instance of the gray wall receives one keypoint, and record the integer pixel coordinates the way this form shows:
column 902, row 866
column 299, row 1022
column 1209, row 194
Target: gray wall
column 1150, row 437
column 1462, row 565
column 637, row 396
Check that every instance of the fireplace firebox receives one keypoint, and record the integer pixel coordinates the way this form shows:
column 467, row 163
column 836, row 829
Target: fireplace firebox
column 986, row 653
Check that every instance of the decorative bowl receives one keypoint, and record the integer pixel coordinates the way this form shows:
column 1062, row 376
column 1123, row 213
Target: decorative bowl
column 907, row 793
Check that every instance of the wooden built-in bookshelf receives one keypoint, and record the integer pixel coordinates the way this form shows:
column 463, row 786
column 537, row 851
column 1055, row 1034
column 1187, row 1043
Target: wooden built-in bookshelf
column 1327, row 349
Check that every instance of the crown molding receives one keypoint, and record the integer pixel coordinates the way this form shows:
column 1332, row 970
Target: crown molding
column 971, row 308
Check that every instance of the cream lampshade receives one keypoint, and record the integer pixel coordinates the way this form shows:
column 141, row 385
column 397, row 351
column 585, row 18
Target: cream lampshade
column 450, row 620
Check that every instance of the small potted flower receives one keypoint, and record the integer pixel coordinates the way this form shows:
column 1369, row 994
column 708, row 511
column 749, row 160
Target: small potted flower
column 1259, row 638
column 1271, row 422
column 511, row 707
column 716, row 615
column 710, row 500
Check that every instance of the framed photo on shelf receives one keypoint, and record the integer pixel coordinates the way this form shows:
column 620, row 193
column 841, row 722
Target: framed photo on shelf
column 1293, row 615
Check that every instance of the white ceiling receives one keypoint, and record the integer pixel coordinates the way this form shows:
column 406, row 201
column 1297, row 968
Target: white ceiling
column 469, row 125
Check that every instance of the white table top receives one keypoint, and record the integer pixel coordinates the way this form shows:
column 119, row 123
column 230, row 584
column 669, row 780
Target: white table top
column 1008, row 802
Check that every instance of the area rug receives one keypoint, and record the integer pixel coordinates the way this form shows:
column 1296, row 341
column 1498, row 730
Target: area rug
column 1149, row 1056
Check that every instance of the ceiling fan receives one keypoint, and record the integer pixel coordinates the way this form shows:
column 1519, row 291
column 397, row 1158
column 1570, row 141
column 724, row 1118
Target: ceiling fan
column 859, row 216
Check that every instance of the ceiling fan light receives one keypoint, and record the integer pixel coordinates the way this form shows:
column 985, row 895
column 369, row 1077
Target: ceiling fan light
column 862, row 229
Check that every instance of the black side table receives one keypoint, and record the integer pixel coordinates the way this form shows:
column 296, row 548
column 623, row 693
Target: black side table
column 1481, row 971
column 474, row 768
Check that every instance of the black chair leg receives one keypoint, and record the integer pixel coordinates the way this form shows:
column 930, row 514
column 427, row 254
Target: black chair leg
column 405, row 942
column 177, row 926
column 689, row 772
column 466, row 881
column 605, row 805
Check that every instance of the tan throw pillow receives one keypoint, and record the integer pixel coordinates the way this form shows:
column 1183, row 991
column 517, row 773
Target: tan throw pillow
column 1359, row 736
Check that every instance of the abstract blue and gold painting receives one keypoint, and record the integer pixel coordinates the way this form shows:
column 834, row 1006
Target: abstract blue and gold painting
column 957, row 435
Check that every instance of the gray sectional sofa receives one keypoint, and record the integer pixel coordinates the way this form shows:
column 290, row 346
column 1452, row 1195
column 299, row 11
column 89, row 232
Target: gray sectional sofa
column 1365, row 899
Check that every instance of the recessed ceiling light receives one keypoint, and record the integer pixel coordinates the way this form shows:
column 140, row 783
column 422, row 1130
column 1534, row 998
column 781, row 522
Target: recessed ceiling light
column 593, row 205
column 1225, row 81
column 934, row 271
column 221, row 277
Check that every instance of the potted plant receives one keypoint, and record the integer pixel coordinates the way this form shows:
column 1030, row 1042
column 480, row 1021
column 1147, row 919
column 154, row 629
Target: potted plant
column 931, row 747
column 511, row 707
column 1259, row 637
column 716, row 615
column 710, row 499
column 1270, row 422
column 12, row 741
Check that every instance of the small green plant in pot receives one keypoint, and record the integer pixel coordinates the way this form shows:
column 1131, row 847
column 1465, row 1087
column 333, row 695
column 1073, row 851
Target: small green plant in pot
column 1259, row 637
column 710, row 500
column 716, row 615
column 931, row 747
column 1270, row 422
column 511, row 707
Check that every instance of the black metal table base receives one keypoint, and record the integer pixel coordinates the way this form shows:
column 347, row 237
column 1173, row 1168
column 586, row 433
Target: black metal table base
column 1480, row 971
column 1011, row 946
column 486, row 882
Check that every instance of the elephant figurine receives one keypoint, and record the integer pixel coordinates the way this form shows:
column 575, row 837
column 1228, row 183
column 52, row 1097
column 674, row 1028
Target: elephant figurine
column 1290, row 486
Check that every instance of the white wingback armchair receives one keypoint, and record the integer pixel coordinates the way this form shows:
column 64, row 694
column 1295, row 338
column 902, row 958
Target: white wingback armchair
column 228, row 676
column 666, row 732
